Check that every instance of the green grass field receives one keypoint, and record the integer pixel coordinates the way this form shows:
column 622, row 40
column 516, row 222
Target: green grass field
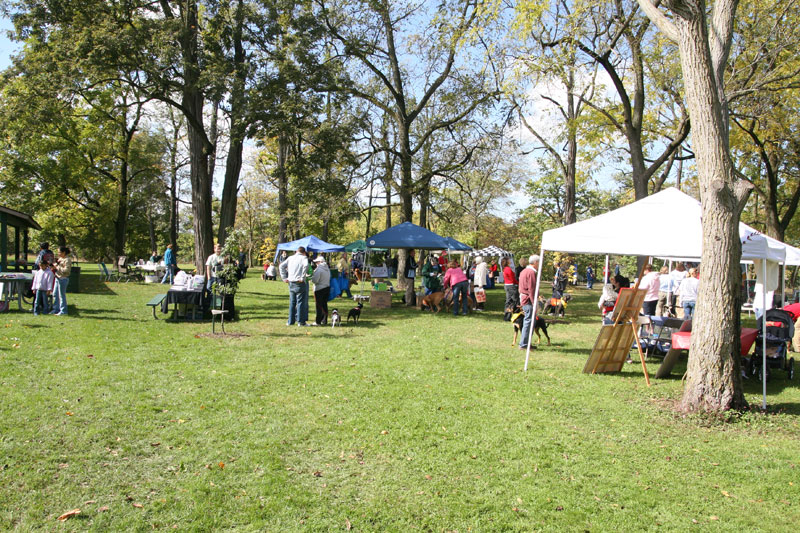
column 408, row 422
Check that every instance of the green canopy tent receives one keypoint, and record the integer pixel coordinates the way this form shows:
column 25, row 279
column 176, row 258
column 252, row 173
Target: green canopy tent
column 361, row 246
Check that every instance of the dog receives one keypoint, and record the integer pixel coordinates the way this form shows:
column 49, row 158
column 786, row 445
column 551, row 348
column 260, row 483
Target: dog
column 355, row 313
column 539, row 326
column 336, row 320
column 557, row 305
column 433, row 301
column 447, row 300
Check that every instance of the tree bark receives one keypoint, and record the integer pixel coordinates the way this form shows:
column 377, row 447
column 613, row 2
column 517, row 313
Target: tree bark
column 233, row 163
column 283, row 189
column 714, row 378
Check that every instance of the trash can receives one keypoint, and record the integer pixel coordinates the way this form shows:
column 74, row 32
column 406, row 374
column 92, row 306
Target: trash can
column 74, row 284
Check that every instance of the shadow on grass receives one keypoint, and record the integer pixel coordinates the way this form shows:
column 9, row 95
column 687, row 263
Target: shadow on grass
column 788, row 408
column 91, row 285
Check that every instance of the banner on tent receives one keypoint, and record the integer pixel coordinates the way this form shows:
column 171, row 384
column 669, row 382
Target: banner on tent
column 379, row 272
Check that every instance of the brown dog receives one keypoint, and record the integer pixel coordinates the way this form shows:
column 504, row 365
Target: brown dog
column 448, row 301
column 433, row 301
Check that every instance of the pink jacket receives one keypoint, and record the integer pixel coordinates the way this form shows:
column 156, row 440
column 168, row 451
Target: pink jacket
column 453, row 276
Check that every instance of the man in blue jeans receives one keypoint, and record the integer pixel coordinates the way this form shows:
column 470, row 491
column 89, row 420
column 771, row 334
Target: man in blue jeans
column 527, row 289
column 294, row 271
column 169, row 262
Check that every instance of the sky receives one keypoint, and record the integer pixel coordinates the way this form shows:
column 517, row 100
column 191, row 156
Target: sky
column 6, row 46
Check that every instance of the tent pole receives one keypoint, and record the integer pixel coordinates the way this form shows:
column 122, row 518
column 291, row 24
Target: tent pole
column 669, row 291
column 764, row 337
column 783, row 285
column 606, row 272
column 535, row 304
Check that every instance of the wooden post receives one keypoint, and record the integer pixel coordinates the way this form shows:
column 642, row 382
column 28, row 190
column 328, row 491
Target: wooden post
column 641, row 354
column 16, row 248
column 3, row 242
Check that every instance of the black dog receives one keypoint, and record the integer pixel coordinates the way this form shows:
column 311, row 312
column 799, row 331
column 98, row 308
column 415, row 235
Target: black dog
column 557, row 305
column 355, row 313
column 539, row 326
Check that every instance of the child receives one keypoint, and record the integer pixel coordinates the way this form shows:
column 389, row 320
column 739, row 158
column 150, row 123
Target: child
column 43, row 280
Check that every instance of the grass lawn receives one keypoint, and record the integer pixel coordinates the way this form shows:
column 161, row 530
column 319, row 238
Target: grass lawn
column 408, row 422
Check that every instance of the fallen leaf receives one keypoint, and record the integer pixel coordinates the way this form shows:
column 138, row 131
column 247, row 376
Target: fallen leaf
column 714, row 517
column 384, row 432
column 347, row 525
column 725, row 493
column 559, row 508
column 103, row 509
column 317, row 474
column 154, row 444
column 69, row 514
column 427, row 476
column 137, row 505
column 90, row 356
column 69, row 413
column 221, row 465
column 89, row 502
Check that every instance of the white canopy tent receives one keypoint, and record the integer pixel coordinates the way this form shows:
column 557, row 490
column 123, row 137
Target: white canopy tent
column 632, row 230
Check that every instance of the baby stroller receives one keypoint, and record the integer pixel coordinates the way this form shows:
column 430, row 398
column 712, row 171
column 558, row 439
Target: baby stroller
column 780, row 329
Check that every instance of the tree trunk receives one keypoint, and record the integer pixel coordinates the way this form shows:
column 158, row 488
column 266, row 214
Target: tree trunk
column 199, row 146
column 151, row 226
column 714, row 378
column 388, row 193
column 230, row 189
column 233, row 163
column 121, row 222
column 283, row 189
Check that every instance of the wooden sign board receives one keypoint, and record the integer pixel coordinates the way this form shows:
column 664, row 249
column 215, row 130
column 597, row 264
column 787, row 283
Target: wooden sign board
column 611, row 349
column 615, row 340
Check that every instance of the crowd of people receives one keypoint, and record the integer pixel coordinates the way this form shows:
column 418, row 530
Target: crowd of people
column 665, row 290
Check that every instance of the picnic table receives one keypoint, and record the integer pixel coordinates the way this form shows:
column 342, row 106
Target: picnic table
column 189, row 297
column 12, row 286
column 682, row 340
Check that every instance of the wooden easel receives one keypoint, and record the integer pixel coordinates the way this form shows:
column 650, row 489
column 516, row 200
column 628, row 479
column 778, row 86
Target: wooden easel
column 614, row 341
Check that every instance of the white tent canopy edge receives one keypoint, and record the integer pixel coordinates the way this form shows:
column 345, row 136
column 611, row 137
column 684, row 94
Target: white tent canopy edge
column 625, row 231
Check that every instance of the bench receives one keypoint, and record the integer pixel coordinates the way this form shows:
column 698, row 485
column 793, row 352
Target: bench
column 155, row 302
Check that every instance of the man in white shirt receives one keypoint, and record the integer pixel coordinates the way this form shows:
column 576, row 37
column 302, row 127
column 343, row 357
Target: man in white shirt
column 213, row 264
column 294, row 271
column 688, row 292
column 676, row 277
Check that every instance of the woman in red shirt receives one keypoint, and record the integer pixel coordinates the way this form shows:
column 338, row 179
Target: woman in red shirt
column 511, row 286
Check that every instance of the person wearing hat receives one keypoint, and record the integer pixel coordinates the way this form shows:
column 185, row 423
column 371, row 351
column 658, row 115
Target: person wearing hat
column 322, row 288
column 480, row 280
column 294, row 271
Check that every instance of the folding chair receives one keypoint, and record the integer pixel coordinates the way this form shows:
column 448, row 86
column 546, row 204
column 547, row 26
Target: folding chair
column 123, row 270
column 105, row 275
column 221, row 312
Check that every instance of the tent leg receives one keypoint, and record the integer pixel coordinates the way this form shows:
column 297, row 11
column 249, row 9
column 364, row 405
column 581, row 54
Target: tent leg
column 764, row 338
column 641, row 353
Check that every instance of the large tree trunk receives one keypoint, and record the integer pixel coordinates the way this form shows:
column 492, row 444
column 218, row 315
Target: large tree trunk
column 714, row 378
column 230, row 189
column 283, row 189
column 199, row 147
column 233, row 164
column 121, row 222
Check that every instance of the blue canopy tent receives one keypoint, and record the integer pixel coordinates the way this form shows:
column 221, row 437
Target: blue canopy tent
column 314, row 244
column 407, row 235
column 311, row 244
column 457, row 246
